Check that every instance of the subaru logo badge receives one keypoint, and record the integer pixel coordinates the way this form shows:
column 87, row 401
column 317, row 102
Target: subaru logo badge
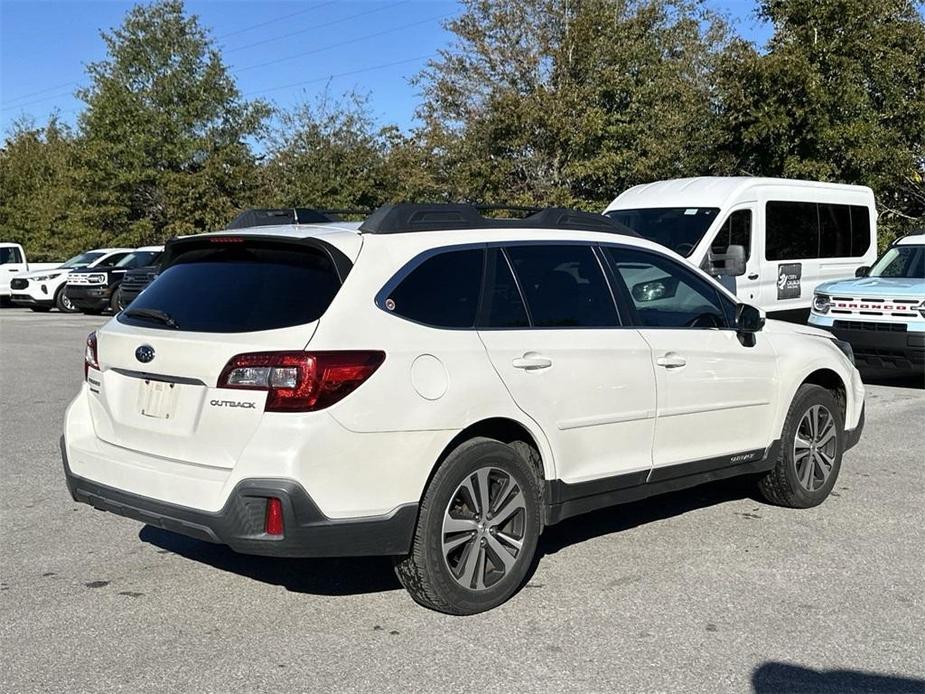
column 144, row 354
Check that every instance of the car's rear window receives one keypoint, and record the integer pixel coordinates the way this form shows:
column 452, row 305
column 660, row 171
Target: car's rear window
column 238, row 288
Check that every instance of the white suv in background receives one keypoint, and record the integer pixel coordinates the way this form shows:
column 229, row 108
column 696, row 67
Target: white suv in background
column 43, row 290
column 438, row 386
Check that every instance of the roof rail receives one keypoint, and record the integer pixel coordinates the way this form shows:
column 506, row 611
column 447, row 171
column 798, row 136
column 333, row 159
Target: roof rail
column 409, row 217
column 260, row 217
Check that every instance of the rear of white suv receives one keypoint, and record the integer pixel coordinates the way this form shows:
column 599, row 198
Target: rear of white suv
column 438, row 388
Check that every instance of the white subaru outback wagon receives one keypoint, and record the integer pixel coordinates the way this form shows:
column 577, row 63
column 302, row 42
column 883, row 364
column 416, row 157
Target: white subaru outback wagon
column 439, row 387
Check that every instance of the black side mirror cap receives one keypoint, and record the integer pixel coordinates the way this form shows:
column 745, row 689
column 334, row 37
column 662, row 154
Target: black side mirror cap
column 862, row 271
column 748, row 319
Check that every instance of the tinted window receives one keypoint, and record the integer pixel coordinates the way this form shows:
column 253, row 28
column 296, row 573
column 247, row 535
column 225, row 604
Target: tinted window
column 442, row 291
column 139, row 259
column 9, row 254
column 665, row 294
column 736, row 231
column 563, row 286
column 860, row 230
column 792, row 230
column 502, row 306
column 901, row 261
column 239, row 289
column 677, row 228
column 115, row 258
column 834, row 231
column 82, row 260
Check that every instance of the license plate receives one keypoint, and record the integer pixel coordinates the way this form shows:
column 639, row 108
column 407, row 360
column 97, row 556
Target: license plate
column 157, row 399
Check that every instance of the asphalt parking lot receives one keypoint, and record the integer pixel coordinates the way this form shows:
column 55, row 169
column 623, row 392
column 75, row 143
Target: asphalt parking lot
column 707, row 590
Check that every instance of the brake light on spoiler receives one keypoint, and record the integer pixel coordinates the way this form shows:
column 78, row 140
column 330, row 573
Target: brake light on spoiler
column 300, row 381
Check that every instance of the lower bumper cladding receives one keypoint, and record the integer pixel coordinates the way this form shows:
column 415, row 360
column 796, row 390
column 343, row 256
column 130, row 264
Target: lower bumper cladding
column 240, row 524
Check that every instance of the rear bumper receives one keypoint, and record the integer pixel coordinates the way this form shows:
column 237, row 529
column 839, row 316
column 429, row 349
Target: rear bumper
column 240, row 522
column 852, row 436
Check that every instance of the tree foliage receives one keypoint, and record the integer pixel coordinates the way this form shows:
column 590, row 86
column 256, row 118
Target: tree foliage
column 838, row 96
column 164, row 135
column 534, row 102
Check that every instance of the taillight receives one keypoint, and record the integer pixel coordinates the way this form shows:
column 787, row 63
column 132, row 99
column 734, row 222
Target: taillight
column 300, row 381
column 91, row 358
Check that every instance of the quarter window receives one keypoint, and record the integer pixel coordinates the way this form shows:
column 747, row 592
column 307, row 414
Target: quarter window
column 665, row 294
column 443, row 291
column 563, row 286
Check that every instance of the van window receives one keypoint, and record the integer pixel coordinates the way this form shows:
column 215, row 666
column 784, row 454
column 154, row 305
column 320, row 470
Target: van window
column 860, row 230
column 736, row 231
column 563, row 286
column 502, row 306
column 236, row 288
column 806, row 230
column 443, row 291
column 677, row 228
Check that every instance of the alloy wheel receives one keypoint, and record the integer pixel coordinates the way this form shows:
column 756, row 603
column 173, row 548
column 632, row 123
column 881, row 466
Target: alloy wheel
column 484, row 528
column 814, row 447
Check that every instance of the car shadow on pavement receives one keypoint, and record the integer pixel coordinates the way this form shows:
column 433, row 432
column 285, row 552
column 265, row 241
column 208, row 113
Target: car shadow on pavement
column 778, row 678
column 336, row 576
column 358, row 575
column 623, row 517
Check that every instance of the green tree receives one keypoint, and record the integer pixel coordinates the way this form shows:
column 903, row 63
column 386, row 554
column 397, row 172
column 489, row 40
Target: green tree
column 164, row 138
column 37, row 194
column 839, row 95
column 543, row 101
column 326, row 154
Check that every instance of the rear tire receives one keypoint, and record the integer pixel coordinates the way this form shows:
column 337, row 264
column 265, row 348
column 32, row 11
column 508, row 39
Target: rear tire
column 812, row 443
column 463, row 560
column 63, row 303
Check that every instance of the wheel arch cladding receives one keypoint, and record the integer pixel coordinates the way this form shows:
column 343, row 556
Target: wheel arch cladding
column 831, row 381
column 501, row 429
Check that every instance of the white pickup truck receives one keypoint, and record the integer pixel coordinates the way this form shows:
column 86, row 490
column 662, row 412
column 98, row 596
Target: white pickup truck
column 12, row 262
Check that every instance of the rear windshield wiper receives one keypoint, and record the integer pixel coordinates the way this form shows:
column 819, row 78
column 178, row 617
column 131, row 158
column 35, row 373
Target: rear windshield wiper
column 155, row 314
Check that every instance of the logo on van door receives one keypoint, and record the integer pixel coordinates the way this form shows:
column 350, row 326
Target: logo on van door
column 788, row 280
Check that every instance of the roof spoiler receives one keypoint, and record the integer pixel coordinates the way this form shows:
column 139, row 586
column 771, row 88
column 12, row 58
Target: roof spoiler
column 410, row 217
column 288, row 215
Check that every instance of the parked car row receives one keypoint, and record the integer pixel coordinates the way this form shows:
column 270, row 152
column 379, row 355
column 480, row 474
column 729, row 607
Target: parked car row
column 89, row 282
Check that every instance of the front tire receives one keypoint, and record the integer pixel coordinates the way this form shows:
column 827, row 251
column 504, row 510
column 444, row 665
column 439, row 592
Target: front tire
column 64, row 304
column 812, row 444
column 477, row 530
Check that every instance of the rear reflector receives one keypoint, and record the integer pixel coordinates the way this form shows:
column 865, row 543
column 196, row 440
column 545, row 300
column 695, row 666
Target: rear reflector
column 300, row 381
column 274, row 521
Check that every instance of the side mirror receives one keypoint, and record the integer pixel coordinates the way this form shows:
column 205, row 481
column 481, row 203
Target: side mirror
column 663, row 288
column 862, row 271
column 748, row 319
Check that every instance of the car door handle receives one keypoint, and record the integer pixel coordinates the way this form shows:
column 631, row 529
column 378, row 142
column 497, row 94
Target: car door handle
column 531, row 363
column 671, row 361
column 753, row 276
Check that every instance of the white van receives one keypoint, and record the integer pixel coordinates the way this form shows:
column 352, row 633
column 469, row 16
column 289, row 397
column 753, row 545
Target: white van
column 795, row 234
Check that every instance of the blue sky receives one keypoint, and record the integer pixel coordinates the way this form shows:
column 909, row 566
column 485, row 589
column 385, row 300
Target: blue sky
column 284, row 52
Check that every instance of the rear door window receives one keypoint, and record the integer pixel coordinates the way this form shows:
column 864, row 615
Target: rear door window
column 236, row 288
column 563, row 286
column 502, row 304
column 443, row 291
